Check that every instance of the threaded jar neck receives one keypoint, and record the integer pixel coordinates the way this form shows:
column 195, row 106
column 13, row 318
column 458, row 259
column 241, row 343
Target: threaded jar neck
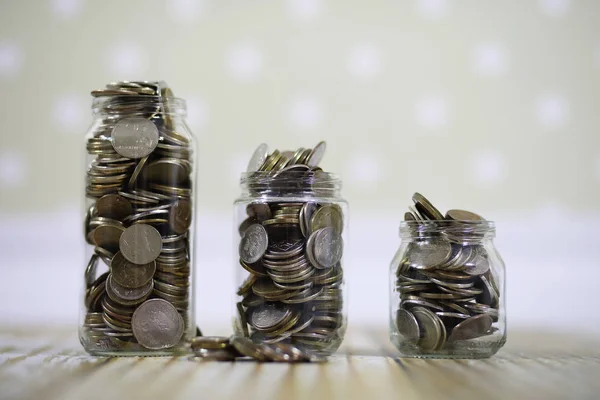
column 468, row 232
column 310, row 183
column 139, row 106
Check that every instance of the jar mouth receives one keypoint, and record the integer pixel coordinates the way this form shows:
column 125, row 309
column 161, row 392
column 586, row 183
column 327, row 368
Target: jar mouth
column 452, row 229
column 139, row 105
column 291, row 182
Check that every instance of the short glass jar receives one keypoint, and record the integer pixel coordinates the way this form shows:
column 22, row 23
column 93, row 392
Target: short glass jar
column 291, row 230
column 138, row 293
column 447, row 290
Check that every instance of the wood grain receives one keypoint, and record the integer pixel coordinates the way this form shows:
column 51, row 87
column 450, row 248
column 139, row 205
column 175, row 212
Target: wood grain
column 49, row 363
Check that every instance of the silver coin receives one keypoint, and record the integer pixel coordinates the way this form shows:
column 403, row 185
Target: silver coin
column 328, row 247
column 140, row 244
column 478, row 265
column 427, row 254
column 157, row 325
column 269, row 316
column 258, row 158
column 433, row 332
column 254, row 243
column 316, row 154
column 129, row 294
column 471, row 328
column 134, row 137
column 90, row 271
column 407, row 325
column 215, row 355
column 489, row 295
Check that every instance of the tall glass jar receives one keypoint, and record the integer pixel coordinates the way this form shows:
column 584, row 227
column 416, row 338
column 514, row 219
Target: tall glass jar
column 447, row 290
column 138, row 292
column 291, row 230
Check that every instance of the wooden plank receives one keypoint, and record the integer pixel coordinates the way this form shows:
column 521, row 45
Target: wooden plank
column 50, row 364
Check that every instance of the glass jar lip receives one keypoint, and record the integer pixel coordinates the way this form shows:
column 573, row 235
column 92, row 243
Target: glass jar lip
column 169, row 105
column 410, row 229
column 290, row 183
column 319, row 176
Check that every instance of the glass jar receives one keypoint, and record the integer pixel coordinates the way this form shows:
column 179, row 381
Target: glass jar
column 138, row 292
column 291, row 230
column 447, row 290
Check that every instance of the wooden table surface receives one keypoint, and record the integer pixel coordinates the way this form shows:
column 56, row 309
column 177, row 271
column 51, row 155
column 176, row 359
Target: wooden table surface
column 49, row 363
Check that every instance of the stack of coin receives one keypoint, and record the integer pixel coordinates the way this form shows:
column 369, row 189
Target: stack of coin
column 448, row 290
column 292, row 251
column 140, row 184
column 214, row 348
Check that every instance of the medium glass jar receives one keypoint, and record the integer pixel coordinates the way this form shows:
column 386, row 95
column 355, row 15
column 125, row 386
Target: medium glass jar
column 138, row 292
column 447, row 290
column 291, row 230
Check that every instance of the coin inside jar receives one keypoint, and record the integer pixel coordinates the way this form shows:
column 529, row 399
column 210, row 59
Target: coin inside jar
column 433, row 331
column 253, row 244
column 180, row 216
column 140, row 244
column 427, row 254
column 134, row 137
column 113, row 206
column 157, row 324
column 130, row 275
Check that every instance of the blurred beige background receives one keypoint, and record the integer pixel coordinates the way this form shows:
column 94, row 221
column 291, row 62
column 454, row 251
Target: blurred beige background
column 483, row 105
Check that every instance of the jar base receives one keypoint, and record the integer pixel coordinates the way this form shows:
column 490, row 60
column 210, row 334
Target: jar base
column 458, row 350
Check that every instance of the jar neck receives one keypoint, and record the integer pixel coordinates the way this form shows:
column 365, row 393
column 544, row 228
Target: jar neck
column 117, row 107
column 465, row 232
column 310, row 183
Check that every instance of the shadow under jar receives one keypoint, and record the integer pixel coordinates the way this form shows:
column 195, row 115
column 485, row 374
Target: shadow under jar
column 138, row 283
column 291, row 231
column 447, row 291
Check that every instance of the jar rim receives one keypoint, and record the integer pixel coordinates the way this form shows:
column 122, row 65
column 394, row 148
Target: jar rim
column 259, row 175
column 473, row 229
column 111, row 104
column 291, row 183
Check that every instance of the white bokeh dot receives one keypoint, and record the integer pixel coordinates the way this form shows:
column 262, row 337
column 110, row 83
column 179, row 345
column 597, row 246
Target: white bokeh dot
column 552, row 111
column 365, row 61
column 305, row 112
column 71, row 112
column 431, row 112
column 197, row 112
column 127, row 60
column 364, row 168
column 67, row 8
column 11, row 58
column 244, row 62
column 490, row 59
column 13, row 169
column 488, row 167
column 432, row 9
column 185, row 11
column 304, row 10
column 554, row 8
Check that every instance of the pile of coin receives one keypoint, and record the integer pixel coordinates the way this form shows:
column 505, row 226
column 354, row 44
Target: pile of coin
column 446, row 280
column 292, row 250
column 139, row 183
column 216, row 348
